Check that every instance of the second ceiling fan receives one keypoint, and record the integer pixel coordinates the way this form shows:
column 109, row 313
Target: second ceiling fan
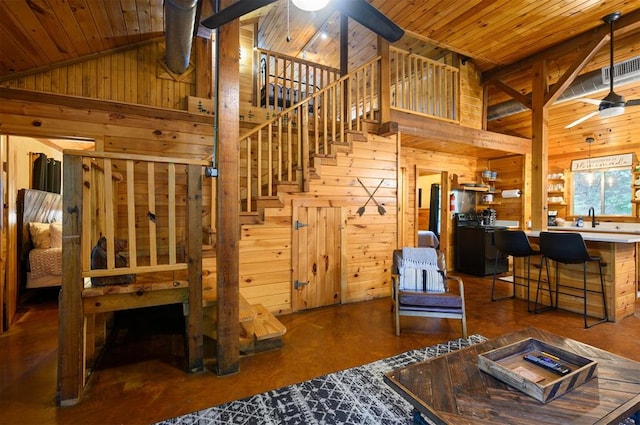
column 613, row 104
column 358, row 10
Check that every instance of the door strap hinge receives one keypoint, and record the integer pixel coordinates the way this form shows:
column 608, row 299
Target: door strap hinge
column 297, row 284
column 298, row 225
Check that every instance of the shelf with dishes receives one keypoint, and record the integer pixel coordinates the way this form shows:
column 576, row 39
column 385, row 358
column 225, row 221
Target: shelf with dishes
column 475, row 187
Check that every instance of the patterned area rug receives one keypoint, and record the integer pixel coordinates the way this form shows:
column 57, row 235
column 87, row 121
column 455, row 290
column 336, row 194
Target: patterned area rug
column 353, row 396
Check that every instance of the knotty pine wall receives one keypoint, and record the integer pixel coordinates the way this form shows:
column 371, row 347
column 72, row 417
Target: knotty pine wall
column 511, row 175
column 368, row 243
column 136, row 75
column 470, row 95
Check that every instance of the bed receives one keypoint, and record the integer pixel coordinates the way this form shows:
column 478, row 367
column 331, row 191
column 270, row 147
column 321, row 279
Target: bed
column 279, row 96
column 40, row 238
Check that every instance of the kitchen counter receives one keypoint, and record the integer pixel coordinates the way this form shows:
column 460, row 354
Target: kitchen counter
column 592, row 235
column 619, row 251
column 607, row 227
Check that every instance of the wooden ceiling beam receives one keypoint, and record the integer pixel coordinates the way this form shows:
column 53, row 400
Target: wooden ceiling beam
column 567, row 78
column 626, row 24
column 522, row 98
column 433, row 129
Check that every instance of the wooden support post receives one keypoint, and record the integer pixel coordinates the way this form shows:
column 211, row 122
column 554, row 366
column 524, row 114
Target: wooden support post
column 228, row 235
column 540, row 146
column 70, row 316
column 384, row 103
column 193, row 321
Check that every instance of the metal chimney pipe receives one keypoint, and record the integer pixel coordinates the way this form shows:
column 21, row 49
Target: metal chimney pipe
column 583, row 86
column 180, row 18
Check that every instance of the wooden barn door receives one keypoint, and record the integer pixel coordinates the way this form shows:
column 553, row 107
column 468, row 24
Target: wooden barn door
column 316, row 257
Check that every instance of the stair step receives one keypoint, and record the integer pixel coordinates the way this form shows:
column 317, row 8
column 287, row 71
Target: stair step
column 260, row 330
column 343, row 147
column 357, row 136
column 253, row 217
column 265, row 324
column 289, row 187
column 268, row 202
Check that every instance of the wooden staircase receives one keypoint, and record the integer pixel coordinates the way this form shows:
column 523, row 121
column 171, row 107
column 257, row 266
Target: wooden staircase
column 280, row 158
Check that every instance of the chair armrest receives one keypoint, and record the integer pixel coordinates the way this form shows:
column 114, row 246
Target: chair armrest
column 458, row 282
column 395, row 282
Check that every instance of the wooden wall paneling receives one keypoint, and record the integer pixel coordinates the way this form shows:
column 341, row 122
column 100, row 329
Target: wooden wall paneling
column 132, row 76
column 511, row 172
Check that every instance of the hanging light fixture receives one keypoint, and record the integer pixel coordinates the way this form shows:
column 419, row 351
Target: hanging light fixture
column 590, row 176
column 310, row 5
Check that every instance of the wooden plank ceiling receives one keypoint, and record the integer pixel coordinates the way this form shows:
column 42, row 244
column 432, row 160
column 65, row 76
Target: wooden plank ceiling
column 490, row 34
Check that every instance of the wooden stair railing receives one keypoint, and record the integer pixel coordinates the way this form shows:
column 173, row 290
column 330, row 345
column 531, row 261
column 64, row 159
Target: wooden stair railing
column 279, row 150
column 143, row 209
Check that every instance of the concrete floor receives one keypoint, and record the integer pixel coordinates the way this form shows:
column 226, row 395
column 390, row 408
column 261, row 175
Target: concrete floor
column 140, row 378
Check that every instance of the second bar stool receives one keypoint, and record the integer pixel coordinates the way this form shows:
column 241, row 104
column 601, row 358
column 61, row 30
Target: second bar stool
column 569, row 248
column 516, row 244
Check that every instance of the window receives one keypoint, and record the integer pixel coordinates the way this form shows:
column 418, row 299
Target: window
column 607, row 191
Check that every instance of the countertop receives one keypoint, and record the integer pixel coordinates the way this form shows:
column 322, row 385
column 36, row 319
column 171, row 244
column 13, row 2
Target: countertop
column 594, row 236
column 628, row 229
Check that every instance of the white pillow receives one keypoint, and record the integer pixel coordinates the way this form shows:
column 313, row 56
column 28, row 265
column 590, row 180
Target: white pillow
column 55, row 235
column 40, row 235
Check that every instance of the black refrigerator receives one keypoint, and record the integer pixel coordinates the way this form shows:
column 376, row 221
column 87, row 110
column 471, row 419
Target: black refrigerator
column 434, row 209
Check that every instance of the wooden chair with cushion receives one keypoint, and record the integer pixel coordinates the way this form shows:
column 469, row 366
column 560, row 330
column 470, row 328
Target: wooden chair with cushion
column 422, row 288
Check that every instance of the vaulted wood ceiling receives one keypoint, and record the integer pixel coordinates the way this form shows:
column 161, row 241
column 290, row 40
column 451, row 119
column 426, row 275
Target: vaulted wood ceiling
column 492, row 34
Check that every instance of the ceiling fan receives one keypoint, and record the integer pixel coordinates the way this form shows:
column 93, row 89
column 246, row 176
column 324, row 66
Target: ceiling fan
column 358, row 10
column 613, row 104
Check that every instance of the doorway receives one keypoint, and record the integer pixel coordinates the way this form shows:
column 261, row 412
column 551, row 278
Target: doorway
column 432, row 205
column 316, row 257
column 17, row 154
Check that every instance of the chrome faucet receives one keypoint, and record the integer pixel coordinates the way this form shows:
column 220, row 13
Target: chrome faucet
column 592, row 214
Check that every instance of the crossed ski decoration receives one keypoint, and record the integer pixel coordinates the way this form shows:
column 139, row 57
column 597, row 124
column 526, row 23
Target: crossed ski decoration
column 381, row 209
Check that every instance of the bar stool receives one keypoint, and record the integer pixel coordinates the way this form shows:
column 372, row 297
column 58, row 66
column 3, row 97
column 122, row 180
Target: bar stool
column 569, row 248
column 516, row 244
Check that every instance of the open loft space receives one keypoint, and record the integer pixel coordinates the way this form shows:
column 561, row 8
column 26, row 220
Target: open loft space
column 213, row 182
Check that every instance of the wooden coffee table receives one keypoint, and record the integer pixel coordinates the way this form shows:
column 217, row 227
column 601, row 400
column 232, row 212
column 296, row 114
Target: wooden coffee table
column 452, row 390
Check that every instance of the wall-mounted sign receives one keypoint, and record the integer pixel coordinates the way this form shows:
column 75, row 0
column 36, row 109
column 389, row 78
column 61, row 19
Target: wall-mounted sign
column 611, row 161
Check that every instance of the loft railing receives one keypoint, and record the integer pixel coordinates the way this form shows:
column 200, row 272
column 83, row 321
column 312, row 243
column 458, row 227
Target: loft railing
column 279, row 150
column 285, row 80
column 423, row 86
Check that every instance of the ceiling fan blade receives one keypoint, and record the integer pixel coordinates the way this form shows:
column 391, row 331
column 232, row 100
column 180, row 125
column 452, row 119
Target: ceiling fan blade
column 370, row 17
column 632, row 102
column 586, row 117
column 235, row 11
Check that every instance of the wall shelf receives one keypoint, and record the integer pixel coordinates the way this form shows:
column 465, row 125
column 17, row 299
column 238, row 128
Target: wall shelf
column 474, row 187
